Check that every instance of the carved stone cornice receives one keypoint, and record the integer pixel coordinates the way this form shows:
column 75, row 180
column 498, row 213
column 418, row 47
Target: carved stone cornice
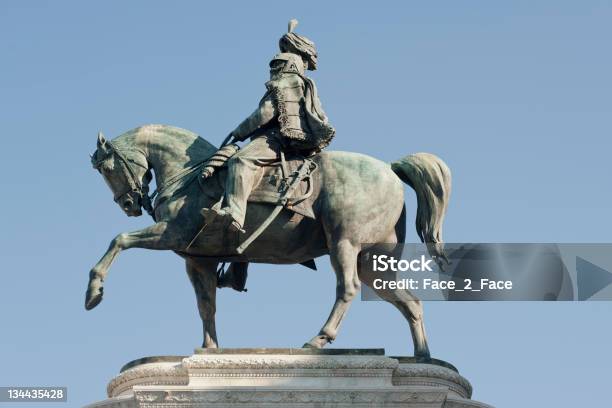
column 267, row 362
column 244, row 397
column 430, row 375
column 148, row 374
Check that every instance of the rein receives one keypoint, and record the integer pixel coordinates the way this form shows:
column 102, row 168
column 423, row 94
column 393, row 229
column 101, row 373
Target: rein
column 159, row 191
column 135, row 185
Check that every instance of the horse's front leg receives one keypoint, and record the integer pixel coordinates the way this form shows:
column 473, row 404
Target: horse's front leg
column 203, row 276
column 152, row 237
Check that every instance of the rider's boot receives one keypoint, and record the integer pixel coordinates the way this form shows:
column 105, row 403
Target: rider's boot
column 211, row 214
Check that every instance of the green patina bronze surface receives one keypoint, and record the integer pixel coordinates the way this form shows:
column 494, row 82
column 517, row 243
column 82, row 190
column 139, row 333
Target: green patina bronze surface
column 352, row 199
column 356, row 199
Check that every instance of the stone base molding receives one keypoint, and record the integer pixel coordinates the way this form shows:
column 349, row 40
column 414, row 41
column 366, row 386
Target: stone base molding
column 298, row 378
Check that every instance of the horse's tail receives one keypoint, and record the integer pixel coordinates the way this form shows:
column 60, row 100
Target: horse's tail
column 430, row 178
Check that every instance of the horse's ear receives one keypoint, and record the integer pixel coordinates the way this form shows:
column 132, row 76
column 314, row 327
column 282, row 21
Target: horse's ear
column 101, row 141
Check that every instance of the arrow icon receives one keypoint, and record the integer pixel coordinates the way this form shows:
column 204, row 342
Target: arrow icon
column 591, row 278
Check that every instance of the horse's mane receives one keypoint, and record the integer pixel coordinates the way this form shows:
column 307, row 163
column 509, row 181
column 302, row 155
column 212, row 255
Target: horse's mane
column 126, row 141
column 166, row 130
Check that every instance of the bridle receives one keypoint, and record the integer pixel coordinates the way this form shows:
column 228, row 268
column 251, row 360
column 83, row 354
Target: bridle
column 135, row 186
column 142, row 190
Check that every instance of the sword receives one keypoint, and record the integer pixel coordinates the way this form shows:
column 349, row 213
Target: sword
column 301, row 173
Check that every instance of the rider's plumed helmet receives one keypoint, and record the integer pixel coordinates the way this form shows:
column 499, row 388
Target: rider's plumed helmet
column 299, row 46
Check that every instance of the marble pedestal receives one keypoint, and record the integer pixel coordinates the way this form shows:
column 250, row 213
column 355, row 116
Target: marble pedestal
column 298, row 378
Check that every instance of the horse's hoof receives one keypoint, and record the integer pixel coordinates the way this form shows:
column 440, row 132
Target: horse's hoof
column 422, row 357
column 210, row 346
column 93, row 296
column 317, row 342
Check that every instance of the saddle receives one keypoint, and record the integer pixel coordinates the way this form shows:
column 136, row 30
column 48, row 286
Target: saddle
column 274, row 181
column 285, row 184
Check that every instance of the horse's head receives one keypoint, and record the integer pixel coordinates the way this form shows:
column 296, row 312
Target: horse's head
column 126, row 173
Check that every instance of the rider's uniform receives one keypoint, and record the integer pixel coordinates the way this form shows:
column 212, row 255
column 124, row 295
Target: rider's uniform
column 289, row 118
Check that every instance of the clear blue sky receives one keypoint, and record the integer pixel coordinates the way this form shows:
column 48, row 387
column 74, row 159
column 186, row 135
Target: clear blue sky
column 515, row 96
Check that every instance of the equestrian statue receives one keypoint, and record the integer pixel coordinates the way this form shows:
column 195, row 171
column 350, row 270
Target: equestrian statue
column 281, row 199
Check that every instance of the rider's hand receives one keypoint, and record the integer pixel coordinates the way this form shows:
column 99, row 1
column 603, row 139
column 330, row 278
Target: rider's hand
column 235, row 137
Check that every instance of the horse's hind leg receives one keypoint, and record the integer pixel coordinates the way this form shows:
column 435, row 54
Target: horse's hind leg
column 410, row 306
column 343, row 257
column 203, row 277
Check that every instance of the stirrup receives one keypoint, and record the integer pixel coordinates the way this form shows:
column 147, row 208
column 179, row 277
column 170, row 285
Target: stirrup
column 210, row 214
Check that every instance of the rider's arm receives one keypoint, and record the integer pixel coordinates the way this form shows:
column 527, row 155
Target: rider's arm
column 262, row 115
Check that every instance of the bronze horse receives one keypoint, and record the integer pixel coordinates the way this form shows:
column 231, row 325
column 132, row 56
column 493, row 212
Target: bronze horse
column 357, row 199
